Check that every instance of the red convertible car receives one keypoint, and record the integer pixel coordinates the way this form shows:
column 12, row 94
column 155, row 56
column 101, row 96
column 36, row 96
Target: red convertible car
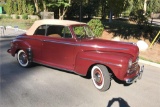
column 71, row 46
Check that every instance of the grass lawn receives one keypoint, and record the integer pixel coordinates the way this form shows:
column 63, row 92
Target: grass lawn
column 21, row 23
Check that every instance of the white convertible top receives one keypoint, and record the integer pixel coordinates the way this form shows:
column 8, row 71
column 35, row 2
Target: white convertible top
column 38, row 23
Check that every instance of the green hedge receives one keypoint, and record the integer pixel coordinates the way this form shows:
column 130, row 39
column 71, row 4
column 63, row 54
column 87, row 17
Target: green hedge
column 25, row 16
column 96, row 26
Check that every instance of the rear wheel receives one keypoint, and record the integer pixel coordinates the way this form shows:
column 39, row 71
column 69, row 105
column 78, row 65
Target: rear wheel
column 23, row 59
column 100, row 77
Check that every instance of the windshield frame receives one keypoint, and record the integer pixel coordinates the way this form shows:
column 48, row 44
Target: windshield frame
column 86, row 29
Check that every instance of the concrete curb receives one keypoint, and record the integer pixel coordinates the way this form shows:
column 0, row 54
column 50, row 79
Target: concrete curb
column 149, row 63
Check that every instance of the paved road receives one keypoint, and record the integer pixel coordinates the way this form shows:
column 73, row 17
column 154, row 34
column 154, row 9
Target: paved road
column 41, row 86
column 8, row 32
column 155, row 21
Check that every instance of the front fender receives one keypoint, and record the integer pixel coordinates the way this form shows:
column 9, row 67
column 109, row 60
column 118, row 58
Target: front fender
column 17, row 45
column 117, row 62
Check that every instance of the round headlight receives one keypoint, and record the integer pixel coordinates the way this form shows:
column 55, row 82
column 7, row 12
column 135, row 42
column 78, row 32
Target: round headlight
column 130, row 63
column 137, row 59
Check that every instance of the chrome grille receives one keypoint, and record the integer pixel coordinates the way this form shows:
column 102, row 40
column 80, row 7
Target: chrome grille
column 133, row 68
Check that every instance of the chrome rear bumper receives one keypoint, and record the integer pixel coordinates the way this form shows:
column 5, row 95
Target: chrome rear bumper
column 139, row 76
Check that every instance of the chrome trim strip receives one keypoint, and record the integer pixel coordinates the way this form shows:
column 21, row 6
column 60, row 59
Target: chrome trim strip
column 60, row 42
column 68, row 43
column 119, row 65
column 30, row 38
column 96, row 46
column 93, row 46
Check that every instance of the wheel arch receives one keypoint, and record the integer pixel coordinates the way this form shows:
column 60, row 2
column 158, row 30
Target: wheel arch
column 88, row 75
column 19, row 44
column 86, row 60
column 28, row 51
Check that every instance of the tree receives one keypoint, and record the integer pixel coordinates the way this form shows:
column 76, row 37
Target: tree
column 153, row 6
column 103, row 8
column 137, row 5
column 19, row 2
column 62, row 6
column 9, row 7
column 30, row 9
column 116, row 7
column 36, row 5
column 15, row 9
column 24, row 6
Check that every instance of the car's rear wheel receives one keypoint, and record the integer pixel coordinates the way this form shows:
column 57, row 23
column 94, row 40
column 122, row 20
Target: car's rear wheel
column 23, row 59
column 100, row 77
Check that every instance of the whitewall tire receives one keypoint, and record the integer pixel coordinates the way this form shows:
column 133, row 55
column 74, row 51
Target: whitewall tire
column 23, row 59
column 100, row 77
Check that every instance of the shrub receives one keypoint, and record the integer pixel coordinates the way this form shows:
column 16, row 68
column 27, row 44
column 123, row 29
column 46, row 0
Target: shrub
column 17, row 17
column 96, row 26
column 7, row 17
column 30, row 9
column 25, row 16
column 139, row 17
column 2, row 16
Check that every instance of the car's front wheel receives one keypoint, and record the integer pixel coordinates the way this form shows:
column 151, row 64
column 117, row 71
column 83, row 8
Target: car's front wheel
column 100, row 77
column 23, row 59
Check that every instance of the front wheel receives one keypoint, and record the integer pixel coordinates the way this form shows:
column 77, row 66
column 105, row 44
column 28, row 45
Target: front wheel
column 100, row 77
column 23, row 59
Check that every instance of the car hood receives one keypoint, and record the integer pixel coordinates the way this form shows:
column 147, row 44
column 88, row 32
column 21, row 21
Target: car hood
column 110, row 46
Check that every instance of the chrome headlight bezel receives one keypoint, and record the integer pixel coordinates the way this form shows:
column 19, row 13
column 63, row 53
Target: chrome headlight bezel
column 130, row 63
column 129, row 66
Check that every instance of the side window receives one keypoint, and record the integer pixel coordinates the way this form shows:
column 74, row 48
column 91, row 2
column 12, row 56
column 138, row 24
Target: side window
column 66, row 33
column 41, row 30
column 55, row 31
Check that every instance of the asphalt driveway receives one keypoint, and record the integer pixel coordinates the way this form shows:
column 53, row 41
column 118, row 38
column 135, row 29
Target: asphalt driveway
column 41, row 86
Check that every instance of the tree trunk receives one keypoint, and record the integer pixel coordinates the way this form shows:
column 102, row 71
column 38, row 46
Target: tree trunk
column 110, row 16
column 103, row 10
column 145, row 6
column 61, row 15
column 44, row 6
column 36, row 6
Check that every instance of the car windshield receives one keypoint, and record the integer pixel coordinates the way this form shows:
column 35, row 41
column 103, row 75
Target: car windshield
column 83, row 32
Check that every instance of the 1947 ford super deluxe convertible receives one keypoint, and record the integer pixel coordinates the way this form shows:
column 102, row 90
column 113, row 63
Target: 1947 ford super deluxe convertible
column 71, row 46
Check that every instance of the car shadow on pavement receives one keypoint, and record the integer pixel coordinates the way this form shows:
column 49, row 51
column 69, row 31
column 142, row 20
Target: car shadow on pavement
column 121, row 101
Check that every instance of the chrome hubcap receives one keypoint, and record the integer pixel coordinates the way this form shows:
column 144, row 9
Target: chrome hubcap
column 98, row 77
column 23, row 58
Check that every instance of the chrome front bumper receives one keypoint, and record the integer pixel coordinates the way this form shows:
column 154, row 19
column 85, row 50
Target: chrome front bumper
column 139, row 76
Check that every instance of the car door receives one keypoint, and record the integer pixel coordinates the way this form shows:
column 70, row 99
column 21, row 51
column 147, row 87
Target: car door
column 59, row 50
column 36, row 41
